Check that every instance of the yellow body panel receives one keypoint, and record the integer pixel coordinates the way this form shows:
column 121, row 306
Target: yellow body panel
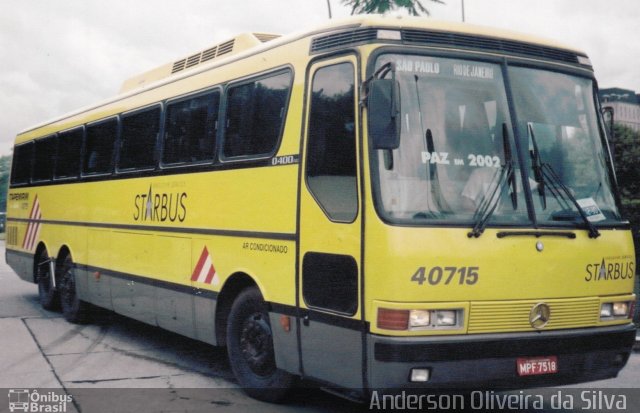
column 507, row 268
column 225, row 201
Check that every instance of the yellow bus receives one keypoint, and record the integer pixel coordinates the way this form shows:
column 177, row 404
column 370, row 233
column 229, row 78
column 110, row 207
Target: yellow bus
column 375, row 203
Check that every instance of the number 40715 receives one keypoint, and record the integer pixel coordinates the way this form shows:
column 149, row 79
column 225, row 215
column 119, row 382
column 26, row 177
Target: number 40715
column 446, row 275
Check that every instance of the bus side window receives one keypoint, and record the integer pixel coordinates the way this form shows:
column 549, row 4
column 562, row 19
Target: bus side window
column 21, row 167
column 99, row 146
column 68, row 159
column 255, row 116
column 138, row 139
column 331, row 149
column 44, row 159
column 190, row 130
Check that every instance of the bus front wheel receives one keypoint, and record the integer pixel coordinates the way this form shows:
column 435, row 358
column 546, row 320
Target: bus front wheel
column 250, row 348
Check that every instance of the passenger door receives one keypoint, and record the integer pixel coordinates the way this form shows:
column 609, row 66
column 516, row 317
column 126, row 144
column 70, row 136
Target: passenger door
column 330, row 227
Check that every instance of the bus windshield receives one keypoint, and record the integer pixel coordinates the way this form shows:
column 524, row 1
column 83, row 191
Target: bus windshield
column 458, row 152
column 557, row 117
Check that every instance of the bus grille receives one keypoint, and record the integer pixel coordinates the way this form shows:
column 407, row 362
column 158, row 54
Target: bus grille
column 508, row 316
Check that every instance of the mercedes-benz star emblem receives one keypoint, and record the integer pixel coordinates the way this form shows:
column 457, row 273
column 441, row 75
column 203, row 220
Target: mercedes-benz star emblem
column 539, row 315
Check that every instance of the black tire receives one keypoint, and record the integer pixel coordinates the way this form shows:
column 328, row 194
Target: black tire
column 250, row 348
column 74, row 310
column 48, row 296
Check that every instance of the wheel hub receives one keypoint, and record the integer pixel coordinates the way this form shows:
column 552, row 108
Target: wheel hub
column 256, row 344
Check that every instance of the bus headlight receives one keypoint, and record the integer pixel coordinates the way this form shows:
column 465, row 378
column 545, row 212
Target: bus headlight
column 606, row 310
column 434, row 319
column 616, row 309
column 446, row 318
column 419, row 318
column 620, row 309
column 412, row 320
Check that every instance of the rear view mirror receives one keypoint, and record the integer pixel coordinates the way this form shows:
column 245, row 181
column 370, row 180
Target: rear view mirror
column 608, row 114
column 384, row 114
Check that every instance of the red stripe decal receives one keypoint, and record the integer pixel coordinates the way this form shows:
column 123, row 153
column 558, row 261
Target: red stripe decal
column 210, row 275
column 200, row 264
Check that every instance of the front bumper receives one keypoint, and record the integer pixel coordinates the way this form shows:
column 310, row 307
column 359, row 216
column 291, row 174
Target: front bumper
column 489, row 360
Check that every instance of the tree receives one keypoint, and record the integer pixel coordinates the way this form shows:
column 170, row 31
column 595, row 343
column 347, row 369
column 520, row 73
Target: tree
column 626, row 150
column 414, row 7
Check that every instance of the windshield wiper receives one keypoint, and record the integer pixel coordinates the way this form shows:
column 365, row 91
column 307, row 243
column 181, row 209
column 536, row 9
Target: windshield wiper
column 536, row 164
column 488, row 204
column 508, row 156
column 544, row 172
column 556, row 185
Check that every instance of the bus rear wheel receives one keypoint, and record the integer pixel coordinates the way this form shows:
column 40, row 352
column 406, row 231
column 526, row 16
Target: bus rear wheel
column 250, row 348
column 47, row 293
column 74, row 310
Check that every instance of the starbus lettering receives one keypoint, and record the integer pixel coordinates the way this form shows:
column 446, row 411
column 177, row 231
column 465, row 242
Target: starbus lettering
column 609, row 270
column 160, row 207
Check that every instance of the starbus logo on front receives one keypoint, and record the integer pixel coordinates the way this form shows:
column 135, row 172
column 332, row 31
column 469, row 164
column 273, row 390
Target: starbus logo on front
column 539, row 315
column 32, row 401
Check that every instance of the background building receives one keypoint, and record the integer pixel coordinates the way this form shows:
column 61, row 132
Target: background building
column 626, row 106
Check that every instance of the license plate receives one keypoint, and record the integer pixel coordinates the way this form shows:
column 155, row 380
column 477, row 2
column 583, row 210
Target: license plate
column 537, row 365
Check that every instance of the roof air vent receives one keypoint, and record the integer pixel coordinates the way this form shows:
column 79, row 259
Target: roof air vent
column 240, row 43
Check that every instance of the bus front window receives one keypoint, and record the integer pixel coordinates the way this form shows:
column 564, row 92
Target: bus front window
column 557, row 116
column 455, row 127
column 456, row 137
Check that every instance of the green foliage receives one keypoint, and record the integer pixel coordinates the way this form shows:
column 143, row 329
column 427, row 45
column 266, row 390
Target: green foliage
column 626, row 154
column 414, row 7
column 626, row 150
column 5, row 170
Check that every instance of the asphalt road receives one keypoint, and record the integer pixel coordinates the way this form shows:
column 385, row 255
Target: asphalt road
column 118, row 365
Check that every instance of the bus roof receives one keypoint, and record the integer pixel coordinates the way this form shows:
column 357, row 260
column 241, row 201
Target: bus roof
column 248, row 44
column 402, row 22
column 247, row 41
